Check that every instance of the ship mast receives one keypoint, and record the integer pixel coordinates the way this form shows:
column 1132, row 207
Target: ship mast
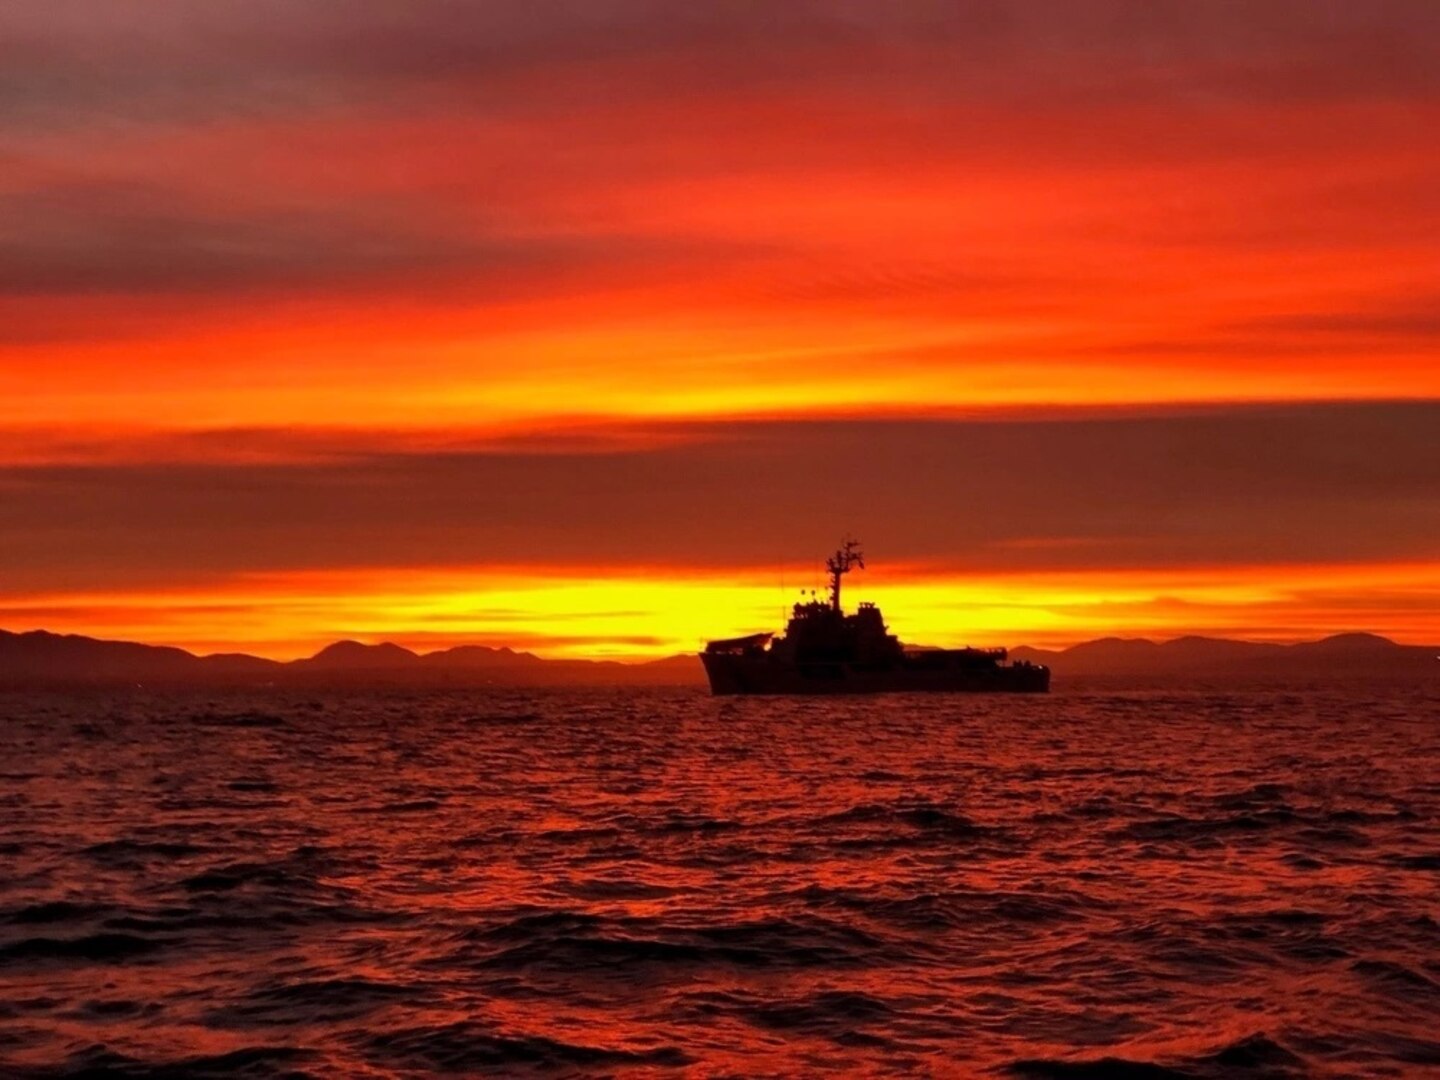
column 839, row 564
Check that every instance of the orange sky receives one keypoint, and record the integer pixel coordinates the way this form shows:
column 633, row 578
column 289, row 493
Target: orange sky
column 578, row 327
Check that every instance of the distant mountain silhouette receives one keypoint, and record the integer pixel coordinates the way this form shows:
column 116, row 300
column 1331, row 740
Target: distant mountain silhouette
column 1340, row 655
column 469, row 657
column 355, row 656
column 39, row 657
column 42, row 658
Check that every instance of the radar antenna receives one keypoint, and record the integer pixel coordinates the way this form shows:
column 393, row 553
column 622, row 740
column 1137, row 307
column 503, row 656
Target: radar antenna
column 839, row 564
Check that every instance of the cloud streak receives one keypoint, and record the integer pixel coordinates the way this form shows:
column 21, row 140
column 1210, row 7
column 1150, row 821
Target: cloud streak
column 1250, row 487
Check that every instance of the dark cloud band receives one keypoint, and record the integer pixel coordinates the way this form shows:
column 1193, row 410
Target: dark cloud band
column 1291, row 485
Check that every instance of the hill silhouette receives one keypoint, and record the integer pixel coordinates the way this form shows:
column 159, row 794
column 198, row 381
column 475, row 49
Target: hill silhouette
column 1347, row 655
column 356, row 656
column 39, row 657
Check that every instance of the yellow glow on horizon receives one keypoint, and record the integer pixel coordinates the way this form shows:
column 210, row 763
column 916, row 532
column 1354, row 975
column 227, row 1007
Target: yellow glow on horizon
column 639, row 615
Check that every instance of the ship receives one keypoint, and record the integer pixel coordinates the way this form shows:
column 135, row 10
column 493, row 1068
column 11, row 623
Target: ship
column 825, row 651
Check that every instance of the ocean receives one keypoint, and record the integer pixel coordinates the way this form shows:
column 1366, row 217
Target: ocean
column 1209, row 882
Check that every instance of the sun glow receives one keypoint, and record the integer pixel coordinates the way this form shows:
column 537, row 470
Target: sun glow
column 658, row 611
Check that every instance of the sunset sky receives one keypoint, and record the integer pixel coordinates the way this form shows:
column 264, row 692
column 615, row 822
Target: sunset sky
column 590, row 327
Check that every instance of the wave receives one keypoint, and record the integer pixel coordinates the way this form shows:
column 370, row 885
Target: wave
column 244, row 719
column 504, row 718
column 235, row 875
column 566, row 942
column 918, row 816
column 847, row 1018
column 310, row 1001
column 1256, row 1057
column 1397, row 980
column 250, row 1063
column 996, row 910
column 93, row 948
column 1417, row 862
column 470, row 1045
column 128, row 850
column 54, row 911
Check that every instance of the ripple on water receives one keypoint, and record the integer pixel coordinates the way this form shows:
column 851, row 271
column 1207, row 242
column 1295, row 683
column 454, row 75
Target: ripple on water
column 636, row 883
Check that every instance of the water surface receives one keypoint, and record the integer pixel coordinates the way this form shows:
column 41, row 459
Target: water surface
column 1198, row 883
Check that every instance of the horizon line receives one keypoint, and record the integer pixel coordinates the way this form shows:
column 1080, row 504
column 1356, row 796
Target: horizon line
column 632, row 660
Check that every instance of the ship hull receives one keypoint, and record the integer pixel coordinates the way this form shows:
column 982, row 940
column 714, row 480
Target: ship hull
column 730, row 674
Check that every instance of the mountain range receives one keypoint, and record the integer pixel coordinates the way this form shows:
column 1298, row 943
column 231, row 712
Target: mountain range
column 1341, row 655
column 39, row 657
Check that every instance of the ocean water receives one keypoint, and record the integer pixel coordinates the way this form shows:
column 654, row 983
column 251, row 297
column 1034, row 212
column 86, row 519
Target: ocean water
column 1201, row 883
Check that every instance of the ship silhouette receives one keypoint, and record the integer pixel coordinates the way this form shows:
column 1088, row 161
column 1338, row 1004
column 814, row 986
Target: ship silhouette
column 825, row 651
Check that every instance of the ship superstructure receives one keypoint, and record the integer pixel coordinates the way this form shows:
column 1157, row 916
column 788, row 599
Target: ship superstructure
column 825, row 651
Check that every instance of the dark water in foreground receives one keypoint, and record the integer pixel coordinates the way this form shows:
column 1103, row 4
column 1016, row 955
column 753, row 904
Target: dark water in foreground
column 1219, row 884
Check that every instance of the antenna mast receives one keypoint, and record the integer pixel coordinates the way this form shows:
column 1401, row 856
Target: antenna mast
column 839, row 564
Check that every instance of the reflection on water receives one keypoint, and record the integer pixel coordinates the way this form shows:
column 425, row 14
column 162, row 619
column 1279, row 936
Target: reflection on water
column 1220, row 884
